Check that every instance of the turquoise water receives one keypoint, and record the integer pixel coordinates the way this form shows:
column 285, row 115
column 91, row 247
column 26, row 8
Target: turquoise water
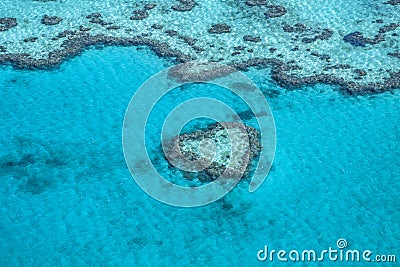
column 67, row 197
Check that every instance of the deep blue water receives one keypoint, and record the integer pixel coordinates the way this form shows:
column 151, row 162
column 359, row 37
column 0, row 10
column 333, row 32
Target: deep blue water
column 67, row 197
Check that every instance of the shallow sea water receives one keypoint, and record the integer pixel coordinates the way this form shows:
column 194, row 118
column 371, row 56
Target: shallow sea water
column 67, row 197
column 342, row 17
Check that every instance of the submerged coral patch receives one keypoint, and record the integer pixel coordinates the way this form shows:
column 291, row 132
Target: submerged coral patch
column 7, row 23
column 50, row 20
column 218, row 157
column 254, row 39
column 139, row 14
column 256, row 2
column 184, row 6
column 220, row 28
column 393, row 2
column 275, row 11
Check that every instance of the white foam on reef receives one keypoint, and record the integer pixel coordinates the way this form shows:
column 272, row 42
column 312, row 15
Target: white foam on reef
column 342, row 17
